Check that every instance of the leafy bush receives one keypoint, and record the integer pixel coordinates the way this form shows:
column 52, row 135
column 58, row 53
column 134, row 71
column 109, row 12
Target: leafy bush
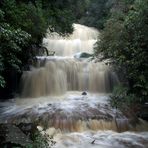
column 12, row 42
column 23, row 24
column 41, row 141
column 121, row 98
column 124, row 41
column 96, row 14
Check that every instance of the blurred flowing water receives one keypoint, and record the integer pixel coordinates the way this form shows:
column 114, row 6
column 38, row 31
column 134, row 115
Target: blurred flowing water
column 68, row 96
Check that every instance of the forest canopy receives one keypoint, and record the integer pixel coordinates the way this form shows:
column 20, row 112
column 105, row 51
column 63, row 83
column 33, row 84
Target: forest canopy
column 23, row 24
column 124, row 41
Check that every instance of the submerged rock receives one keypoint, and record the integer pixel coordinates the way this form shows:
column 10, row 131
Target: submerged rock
column 82, row 55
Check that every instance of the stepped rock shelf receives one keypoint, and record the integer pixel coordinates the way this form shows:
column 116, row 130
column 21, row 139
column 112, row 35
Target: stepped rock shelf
column 52, row 97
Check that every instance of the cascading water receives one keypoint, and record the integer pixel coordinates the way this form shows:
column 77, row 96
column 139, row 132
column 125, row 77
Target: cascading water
column 57, row 75
column 82, row 40
column 51, row 96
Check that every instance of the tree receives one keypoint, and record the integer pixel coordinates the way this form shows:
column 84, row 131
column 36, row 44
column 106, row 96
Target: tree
column 27, row 21
column 96, row 13
column 23, row 24
column 12, row 42
column 124, row 42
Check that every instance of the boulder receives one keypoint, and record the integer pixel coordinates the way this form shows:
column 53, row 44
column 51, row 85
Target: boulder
column 12, row 136
column 84, row 93
column 82, row 55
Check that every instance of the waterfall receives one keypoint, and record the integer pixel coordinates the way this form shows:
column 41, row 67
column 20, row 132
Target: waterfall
column 55, row 75
column 82, row 40
column 57, row 82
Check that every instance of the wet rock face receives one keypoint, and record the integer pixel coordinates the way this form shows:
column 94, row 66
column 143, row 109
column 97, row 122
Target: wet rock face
column 76, row 113
column 73, row 115
column 11, row 135
column 27, row 128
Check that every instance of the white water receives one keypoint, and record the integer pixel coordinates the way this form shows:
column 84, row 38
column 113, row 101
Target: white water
column 54, row 87
column 75, row 121
column 55, row 75
column 102, row 139
column 59, row 75
column 82, row 40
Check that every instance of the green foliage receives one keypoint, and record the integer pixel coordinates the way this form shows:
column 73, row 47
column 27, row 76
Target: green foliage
column 41, row 141
column 61, row 17
column 124, row 41
column 2, row 82
column 11, row 43
column 23, row 24
column 28, row 17
column 96, row 13
column 121, row 98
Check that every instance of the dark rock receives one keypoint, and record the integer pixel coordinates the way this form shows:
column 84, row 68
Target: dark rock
column 143, row 112
column 84, row 93
column 11, row 136
column 27, row 128
column 82, row 55
column 93, row 142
